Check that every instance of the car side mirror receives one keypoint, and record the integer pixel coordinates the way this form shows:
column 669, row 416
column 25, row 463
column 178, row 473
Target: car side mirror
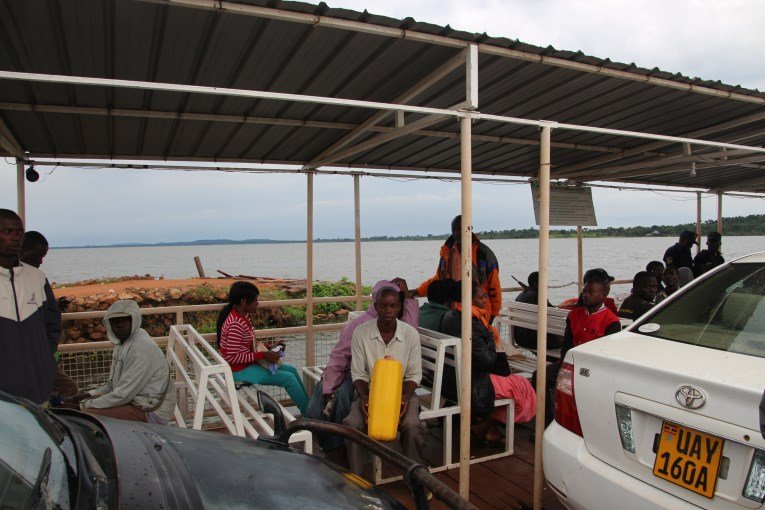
column 269, row 405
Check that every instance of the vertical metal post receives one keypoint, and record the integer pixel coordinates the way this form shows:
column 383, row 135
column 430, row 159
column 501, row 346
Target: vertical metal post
column 579, row 256
column 467, row 302
column 466, row 255
column 20, row 193
column 544, row 240
column 357, row 236
column 310, row 351
column 719, row 212
column 698, row 221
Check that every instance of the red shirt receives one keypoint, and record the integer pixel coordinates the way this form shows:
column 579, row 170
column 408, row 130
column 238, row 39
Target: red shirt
column 587, row 326
column 235, row 342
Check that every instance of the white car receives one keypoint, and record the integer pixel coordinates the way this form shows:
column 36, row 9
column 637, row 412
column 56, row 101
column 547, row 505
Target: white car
column 667, row 414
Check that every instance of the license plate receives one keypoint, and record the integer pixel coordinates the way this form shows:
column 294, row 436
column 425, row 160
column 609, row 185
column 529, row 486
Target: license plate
column 688, row 458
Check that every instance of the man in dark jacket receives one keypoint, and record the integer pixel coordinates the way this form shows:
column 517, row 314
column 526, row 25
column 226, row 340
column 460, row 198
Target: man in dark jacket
column 679, row 254
column 30, row 322
column 709, row 258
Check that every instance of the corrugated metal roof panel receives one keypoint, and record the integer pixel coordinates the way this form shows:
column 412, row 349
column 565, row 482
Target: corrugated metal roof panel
column 153, row 42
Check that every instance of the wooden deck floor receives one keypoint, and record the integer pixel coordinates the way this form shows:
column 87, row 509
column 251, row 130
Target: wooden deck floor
column 506, row 483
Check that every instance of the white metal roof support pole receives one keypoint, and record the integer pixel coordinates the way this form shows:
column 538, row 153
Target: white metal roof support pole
column 544, row 241
column 466, row 257
column 467, row 304
column 20, row 193
column 310, row 351
column 719, row 212
column 357, row 236
column 579, row 261
column 698, row 220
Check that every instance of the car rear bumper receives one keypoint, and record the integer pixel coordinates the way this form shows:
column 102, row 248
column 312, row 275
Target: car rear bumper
column 583, row 482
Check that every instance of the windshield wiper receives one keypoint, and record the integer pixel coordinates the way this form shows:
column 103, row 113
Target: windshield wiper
column 41, row 485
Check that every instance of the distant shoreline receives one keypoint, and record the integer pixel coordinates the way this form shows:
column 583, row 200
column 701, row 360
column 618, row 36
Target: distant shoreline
column 230, row 242
column 752, row 225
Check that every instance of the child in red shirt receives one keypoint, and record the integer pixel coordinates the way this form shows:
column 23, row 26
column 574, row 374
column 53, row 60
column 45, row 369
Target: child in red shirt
column 590, row 321
column 235, row 343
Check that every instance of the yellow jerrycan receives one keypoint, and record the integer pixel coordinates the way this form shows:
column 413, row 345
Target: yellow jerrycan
column 385, row 399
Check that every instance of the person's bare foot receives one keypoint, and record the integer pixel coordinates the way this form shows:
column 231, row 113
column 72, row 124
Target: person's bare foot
column 494, row 435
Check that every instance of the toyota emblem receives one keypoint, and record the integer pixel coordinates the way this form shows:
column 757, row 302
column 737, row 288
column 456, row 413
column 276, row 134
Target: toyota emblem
column 690, row 397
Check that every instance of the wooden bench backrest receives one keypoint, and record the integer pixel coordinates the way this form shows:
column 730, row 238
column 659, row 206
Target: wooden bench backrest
column 525, row 315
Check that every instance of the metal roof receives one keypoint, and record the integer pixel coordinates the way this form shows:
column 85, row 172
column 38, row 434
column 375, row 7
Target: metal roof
column 315, row 50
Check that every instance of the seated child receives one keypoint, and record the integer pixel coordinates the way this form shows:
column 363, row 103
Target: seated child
column 671, row 283
column 583, row 324
column 236, row 339
column 642, row 297
column 599, row 274
column 590, row 321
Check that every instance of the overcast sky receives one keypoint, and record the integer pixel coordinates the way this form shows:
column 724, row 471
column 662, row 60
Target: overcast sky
column 711, row 40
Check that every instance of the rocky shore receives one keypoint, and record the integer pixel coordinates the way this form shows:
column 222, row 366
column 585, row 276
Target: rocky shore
column 147, row 291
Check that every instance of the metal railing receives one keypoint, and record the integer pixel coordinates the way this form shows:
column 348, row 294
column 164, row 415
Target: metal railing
column 88, row 363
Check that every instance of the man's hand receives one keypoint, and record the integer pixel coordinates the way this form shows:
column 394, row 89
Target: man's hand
column 404, row 406
column 401, row 283
column 271, row 357
column 77, row 399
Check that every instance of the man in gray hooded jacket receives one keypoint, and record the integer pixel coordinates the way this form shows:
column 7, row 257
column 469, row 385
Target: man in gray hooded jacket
column 139, row 386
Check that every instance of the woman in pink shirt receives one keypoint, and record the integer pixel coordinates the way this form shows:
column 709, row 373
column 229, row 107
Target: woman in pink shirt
column 236, row 339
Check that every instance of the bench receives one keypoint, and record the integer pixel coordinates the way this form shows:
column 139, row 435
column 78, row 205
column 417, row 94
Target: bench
column 437, row 350
column 204, row 378
column 525, row 315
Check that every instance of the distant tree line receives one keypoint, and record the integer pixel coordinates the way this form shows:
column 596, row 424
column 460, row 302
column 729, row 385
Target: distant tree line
column 752, row 225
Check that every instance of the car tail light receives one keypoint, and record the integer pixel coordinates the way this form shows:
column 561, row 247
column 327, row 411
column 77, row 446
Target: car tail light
column 565, row 402
column 755, row 482
column 624, row 420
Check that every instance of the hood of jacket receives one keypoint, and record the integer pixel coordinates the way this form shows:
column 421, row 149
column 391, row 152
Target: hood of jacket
column 121, row 309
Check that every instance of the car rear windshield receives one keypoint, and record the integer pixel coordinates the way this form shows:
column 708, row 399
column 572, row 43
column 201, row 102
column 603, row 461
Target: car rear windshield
column 725, row 311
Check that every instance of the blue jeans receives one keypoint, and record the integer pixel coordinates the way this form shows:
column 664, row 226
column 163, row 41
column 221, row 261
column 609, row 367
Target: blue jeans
column 286, row 377
column 340, row 408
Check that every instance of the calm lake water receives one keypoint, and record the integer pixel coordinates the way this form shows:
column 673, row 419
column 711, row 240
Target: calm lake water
column 413, row 260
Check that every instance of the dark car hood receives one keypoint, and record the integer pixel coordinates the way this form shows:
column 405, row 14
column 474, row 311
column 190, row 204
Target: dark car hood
column 166, row 467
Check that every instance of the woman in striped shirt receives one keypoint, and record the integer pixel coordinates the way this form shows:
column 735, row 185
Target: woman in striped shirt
column 236, row 344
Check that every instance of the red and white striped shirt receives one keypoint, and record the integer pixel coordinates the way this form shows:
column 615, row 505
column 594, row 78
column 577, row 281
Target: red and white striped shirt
column 235, row 342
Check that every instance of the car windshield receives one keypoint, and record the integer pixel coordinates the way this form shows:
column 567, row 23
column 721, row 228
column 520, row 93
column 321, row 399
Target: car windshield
column 725, row 311
column 33, row 469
